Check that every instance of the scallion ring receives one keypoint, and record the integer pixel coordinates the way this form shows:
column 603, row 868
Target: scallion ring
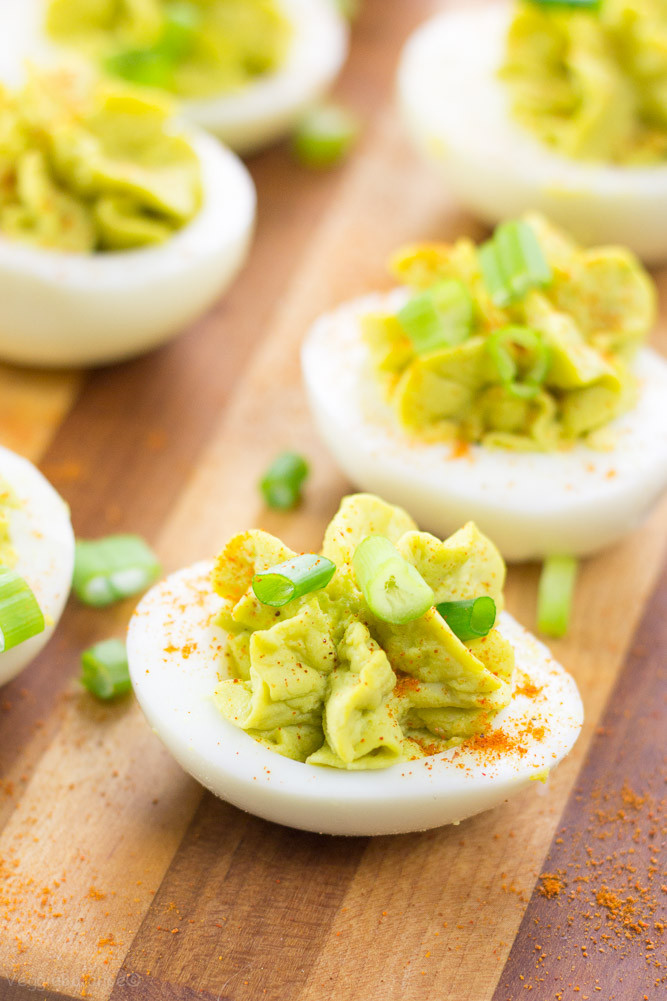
column 104, row 670
column 394, row 589
column 21, row 618
column 282, row 482
column 293, row 579
column 439, row 317
column 471, row 618
column 112, row 568
column 499, row 344
column 554, row 595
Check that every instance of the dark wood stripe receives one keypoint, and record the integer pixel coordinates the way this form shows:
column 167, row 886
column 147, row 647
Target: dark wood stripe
column 18, row 990
column 595, row 925
column 238, row 892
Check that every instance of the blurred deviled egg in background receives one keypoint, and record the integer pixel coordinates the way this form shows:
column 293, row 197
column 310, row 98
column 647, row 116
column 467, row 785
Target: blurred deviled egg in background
column 557, row 107
column 508, row 383
column 36, row 562
column 117, row 226
column 243, row 69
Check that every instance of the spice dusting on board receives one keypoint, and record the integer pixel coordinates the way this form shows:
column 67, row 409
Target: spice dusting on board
column 607, row 902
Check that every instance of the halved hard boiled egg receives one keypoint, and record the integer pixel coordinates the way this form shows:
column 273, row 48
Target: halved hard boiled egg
column 532, row 504
column 458, row 113
column 37, row 541
column 59, row 308
column 174, row 654
column 246, row 117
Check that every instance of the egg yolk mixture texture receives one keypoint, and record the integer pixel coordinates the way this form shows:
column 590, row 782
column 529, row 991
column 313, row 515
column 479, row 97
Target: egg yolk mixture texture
column 8, row 500
column 193, row 48
column 592, row 83
column 84, row 170
column 486, row 351
column 323, row 680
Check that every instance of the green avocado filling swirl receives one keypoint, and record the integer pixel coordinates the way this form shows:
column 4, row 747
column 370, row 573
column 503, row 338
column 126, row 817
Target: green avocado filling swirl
column 525, row 343
column 193, row 48
column 326, row 680
column 591, row 82
column 86, row 170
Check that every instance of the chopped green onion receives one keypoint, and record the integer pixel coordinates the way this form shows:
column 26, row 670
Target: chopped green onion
column 439, row 317
column 20, row 615
column 524, row 339
column 394, row 590
column 469, row 619
column 104, row 670
column 154, row 65
column 107, row 570
column 513, row 262
column 282, row 482
column 554, row 595
column 324, row 136
column 178, row 35
column 292, row 579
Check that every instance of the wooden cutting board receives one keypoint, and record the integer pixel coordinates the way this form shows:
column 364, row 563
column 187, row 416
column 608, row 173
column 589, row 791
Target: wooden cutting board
column 119, row 877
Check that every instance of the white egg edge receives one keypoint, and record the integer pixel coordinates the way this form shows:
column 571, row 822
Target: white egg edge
column 253, row 117
column 59, row 309
column 175, row 691
column 496, row 168
column 531, row 504
column 42, row 536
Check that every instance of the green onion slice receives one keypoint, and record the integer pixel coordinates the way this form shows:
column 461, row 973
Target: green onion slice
column 324, row 136
column 394, row 590
column 524, row 341
column 513, row 262
column 282, row 482
column 153, row 65
column 104, row 670
column 293, row 579
column 554, row 595
column 109, row 569
column 469, row 619
column 439, row 317
column 20, row 615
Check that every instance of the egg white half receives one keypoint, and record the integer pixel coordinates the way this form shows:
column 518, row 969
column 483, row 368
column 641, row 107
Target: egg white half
column 42, row 538
column 174, row 654
column 458, row 113
column 531, row 504
column 247, row 119
column 87, row 309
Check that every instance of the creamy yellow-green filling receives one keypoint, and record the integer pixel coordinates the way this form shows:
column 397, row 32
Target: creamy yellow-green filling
column 193, row 48
column 587, row 322
column 322, row 680
column 85, row 170
column 8, row 501
column 592, row 83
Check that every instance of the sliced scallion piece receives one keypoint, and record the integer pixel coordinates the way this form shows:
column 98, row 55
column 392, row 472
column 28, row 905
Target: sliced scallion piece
column 153, row 65
column 527, row 341
column 554, row 595
column 21, row 618
column 116, row 567
column 104, row 670
column 439, row 317
column 513, row 262
column 493, row 275
column 469, row 619
column 282, row 482
column 394, row 590
column 324, row 136
column 292, row 579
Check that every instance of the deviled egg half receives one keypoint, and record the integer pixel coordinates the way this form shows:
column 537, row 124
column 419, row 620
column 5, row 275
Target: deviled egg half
column 245, row 70
column 37, row 545
column 506, row 383
column 550, row 107
column 374, row 688
column 117, row 227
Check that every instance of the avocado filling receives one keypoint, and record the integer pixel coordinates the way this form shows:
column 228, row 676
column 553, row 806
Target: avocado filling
column 592, row 82
column 323, row 680
column 86, row 170
column 524, row 343
column 8, row 501
column 193, row 48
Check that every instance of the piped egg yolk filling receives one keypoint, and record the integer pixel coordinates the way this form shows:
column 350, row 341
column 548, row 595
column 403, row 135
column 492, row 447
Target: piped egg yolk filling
column 193, row 48
column 550, row 367
column 85, row 170
column 592, row 82
column 323, row 680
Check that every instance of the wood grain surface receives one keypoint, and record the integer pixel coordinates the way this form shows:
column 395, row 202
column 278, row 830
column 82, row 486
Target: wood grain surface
column 119, row 877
